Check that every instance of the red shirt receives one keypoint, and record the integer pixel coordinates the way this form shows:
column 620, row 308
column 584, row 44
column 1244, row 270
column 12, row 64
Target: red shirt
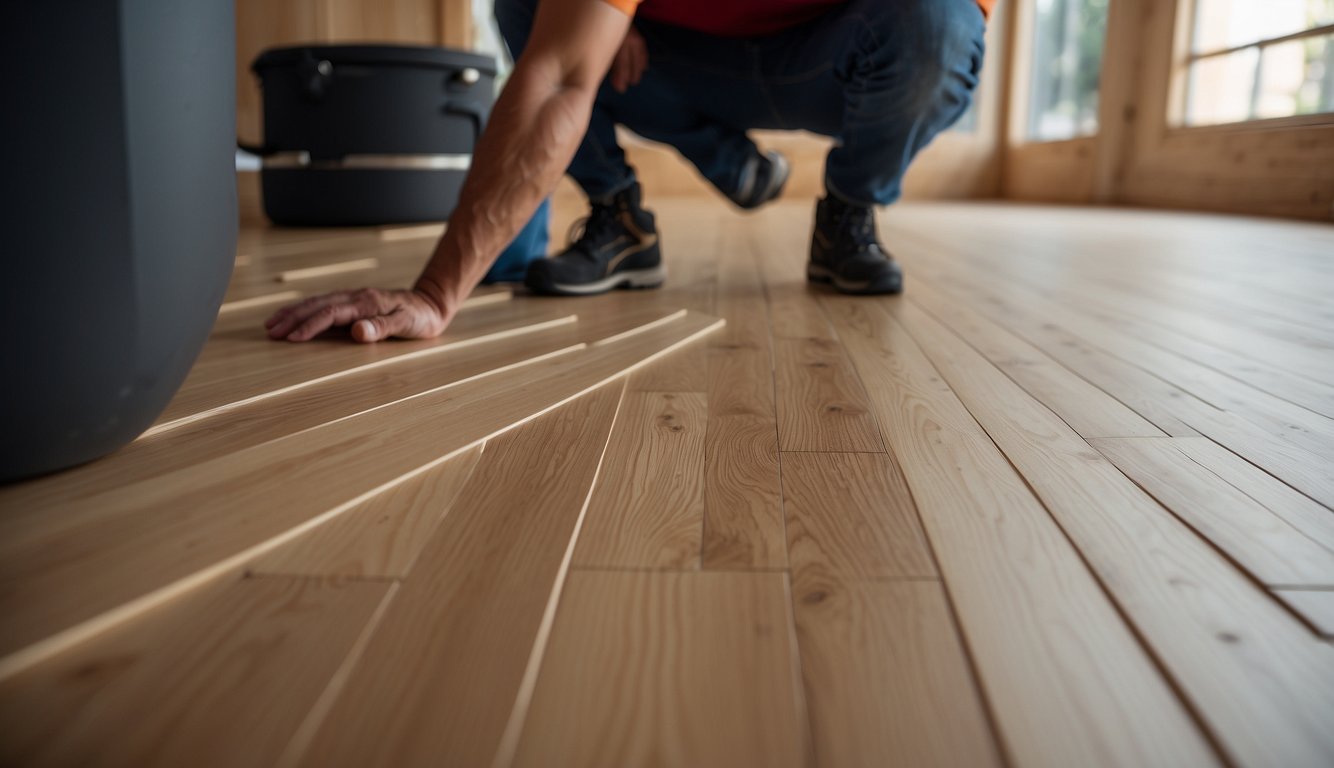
column 736, row 18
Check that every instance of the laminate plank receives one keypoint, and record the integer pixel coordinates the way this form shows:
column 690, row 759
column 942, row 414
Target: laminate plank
column 1249, row 669
column 1315, row 605
column 743, row 512
column 670, row 669
column 851, row 515
column 268, row 419
column 1158, row 400
column 821, row 403
column 1263, row 543
column 1312, row 519
column 1087, row 409
column 222, row 678
column 248, row 366
column 324, row 270
column 886, row 678
column 156, row 538
column 1023, row 595
column 648, row 508
column 443, row 674
column 382, row 536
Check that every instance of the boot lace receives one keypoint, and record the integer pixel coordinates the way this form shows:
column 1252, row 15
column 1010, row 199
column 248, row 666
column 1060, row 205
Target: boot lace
column 594, row 231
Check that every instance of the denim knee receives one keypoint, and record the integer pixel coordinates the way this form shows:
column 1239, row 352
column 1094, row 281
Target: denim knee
column 933, row 46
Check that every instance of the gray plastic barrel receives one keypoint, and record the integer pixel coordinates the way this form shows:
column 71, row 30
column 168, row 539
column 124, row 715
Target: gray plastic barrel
column 119, row 216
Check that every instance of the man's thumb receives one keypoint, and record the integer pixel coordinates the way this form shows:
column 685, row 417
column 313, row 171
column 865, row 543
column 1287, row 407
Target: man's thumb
column 372, row 329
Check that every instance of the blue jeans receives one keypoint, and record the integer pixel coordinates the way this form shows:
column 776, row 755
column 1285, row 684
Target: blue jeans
column 883, row 77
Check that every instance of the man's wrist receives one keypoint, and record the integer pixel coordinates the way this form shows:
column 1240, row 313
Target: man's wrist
column 446, row 302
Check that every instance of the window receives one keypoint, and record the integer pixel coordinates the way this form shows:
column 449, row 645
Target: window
column 1068, row 38
column 1257, row 59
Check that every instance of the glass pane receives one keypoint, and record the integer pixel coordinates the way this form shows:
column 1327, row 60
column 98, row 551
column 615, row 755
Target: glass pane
column 1067, row 58
column 1223, row 24
column 1292, row 78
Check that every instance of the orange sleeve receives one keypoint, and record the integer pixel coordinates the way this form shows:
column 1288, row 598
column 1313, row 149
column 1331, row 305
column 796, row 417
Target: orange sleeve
column 624, row 6
column 986, row 6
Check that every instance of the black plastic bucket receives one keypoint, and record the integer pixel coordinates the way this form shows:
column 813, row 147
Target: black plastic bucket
column 369, row 134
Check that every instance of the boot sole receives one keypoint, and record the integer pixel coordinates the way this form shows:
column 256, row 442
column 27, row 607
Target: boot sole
column 630, row 279
column 887, row 285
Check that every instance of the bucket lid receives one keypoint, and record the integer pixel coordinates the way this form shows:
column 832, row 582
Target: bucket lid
column 390, row 55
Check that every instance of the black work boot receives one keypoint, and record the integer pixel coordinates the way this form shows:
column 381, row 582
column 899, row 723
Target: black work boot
column 846, row 253
column 762, row 179
column 616, row 247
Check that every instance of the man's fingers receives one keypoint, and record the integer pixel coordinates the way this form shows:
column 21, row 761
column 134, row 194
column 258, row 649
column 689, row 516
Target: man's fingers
column 638, row 59
column 326, row 318
column 620, row 70
column 285, row 320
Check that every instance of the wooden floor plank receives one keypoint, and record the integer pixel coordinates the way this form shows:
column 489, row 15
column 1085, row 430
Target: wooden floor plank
column 648, row 508
column 1315, row 605
column 668, row 669
column 887, row 681
column 851, row 515
column 743, row 525
column 220, row 679
column 1252, row 672
column 1023, row 595
column 821, row 404
column 1312, row 519
column 1087, row 409
column 159, row 536
column 1263, row 543
column 235, row 369
column 380, row 537
column 473, row 610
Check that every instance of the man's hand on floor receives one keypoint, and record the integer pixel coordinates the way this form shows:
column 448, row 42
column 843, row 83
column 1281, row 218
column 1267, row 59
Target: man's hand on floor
column 374, row 315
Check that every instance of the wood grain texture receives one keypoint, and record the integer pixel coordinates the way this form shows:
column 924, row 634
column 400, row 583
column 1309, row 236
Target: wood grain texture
column 1023, row 595
column 223, row 678
column 1263, row 543
column 648, row 508
column 473, row 609
column 268, row 419
column 1312, row 519
column 821, row 403
column 743, row 524
column 1087, row 409
column 851, row 515
column 1249, row 669
column 380, row 537
column 1314, row 605
column 233, row 369
column 886, row 678
column 670, row 669
column 153, row 538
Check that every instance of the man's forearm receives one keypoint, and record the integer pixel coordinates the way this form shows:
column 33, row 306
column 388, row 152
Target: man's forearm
column 535, row 128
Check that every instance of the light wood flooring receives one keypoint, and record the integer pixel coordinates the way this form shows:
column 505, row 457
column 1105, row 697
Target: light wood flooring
column 1067, row 502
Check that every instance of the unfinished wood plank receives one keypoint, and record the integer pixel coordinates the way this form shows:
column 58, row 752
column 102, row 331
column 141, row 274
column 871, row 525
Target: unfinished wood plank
column 1312, row 519
column 272, row 418
column 1087, row 409
column 324, row 270
column 281, row 297
column 1263, row 543
column 248, row 366
column 886, row 678
column 156, row 538
column 743, row 512
column 223, row 678
column 382, row 536
column 851, row 515
column 821, row 403
column 1023, row 595
column 648, row 508
column 442, row 675
column 1252, row 672
column 671, row 669
column 1315, row 605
